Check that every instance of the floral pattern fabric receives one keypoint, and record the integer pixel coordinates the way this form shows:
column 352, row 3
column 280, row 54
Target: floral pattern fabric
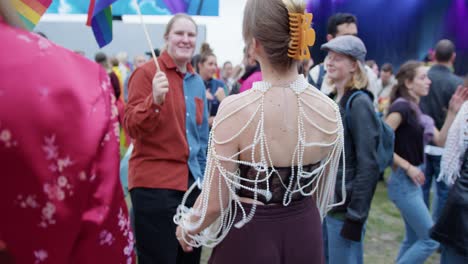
column 61, row 200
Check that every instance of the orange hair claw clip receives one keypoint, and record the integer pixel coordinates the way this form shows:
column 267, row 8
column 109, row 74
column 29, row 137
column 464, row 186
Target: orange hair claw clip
column 302, row 35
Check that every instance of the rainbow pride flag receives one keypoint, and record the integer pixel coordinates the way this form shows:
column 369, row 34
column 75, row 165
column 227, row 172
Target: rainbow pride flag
column 30, row 11
column 100, row 20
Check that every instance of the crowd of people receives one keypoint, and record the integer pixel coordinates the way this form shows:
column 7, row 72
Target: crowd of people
column 275, row 160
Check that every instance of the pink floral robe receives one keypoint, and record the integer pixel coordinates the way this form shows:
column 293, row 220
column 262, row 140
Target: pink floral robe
column 61, row 200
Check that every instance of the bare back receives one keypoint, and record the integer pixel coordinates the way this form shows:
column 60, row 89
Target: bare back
column 281, row 120
column 269, row 144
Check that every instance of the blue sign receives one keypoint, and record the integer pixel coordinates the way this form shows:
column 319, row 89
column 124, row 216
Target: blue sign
column 148, row 7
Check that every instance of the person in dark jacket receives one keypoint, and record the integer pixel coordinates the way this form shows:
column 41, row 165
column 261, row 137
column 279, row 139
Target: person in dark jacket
column 345, row 224
column 435, row 104
column 451, row 229
column 413, row 130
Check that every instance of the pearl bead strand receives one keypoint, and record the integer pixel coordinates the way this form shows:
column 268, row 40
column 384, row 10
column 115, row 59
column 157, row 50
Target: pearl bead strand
column 321, row 177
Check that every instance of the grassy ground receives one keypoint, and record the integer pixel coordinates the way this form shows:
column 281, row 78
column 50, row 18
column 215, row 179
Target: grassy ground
column 384, row 233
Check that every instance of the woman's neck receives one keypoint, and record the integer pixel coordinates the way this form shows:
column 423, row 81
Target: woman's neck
column 415, row 98
column 181, row 65
column 205, row 77
column 278, row 78
column 340, row 87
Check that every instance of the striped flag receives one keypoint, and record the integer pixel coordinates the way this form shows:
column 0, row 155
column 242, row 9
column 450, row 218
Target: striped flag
column 30, row 11
column 100, row 20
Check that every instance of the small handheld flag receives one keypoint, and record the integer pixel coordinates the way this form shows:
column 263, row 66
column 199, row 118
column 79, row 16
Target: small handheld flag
column 150, row 44
column 31, row 11
column 100, row 20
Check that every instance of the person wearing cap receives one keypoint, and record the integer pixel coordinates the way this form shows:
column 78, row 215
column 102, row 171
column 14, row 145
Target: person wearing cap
column 339, row 24
column 345, row 223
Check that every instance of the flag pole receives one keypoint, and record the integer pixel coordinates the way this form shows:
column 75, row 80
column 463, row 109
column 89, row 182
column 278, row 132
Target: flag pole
column 148, row 39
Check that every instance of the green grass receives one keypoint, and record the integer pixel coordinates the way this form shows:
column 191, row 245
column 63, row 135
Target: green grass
column 384, row 232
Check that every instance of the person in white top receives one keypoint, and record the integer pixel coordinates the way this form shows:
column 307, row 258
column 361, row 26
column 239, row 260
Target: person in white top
column 384, row 87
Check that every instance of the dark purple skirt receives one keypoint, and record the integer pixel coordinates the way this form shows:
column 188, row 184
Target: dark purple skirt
column 276, row 234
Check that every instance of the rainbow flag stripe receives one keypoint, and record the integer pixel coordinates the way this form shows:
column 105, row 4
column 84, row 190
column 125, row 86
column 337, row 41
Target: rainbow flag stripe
column 31, row 11
column 100, row 20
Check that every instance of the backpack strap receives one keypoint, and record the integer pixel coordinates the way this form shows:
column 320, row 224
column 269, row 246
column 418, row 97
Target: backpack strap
column 348, row 104
column 310, row 80
column 321, row 76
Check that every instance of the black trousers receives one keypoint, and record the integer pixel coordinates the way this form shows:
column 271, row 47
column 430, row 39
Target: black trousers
column 156, row 242
column 276, row 234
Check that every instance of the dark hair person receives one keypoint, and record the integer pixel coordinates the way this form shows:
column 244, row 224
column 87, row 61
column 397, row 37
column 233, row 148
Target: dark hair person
column 413, row 131
column 216, row 90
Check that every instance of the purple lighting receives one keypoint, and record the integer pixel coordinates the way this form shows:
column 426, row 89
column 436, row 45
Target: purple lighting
column 456, row 21
column 176, row 6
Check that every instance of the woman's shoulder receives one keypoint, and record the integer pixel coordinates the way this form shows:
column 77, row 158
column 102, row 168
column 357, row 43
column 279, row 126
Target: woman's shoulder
column 315, row 100
column 218, row 81
column 234, row 113
column 238, row 103
column 400, row 104
column 362, row 98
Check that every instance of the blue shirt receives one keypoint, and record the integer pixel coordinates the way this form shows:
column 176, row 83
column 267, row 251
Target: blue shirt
column 197, row 135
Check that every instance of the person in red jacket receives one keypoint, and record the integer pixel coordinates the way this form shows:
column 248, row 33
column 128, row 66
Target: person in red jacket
column 167, row 118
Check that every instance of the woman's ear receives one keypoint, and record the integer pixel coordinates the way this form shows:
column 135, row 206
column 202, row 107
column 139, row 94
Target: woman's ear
column 409, row 84
column 354, row 66
column 253, row 48
column 258, row 51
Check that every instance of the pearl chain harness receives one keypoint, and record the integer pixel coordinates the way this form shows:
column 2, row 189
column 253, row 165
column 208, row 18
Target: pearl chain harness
column 323, row 177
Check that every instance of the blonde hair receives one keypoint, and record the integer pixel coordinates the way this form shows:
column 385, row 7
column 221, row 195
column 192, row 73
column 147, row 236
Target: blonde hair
column 359, row 80
column 267, row 21
column 171, row 22
column 174, row 19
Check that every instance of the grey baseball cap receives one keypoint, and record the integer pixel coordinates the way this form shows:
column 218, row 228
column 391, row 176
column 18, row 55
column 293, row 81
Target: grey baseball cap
column 347, row 44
